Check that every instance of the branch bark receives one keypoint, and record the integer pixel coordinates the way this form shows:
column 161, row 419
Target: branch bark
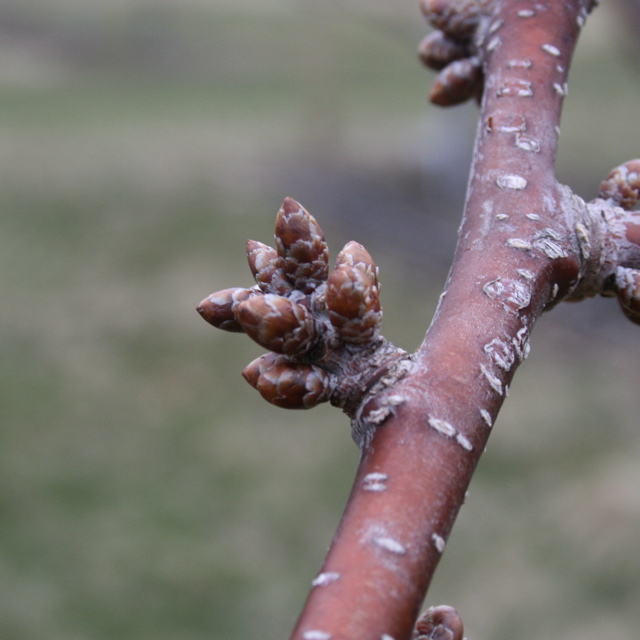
column 422, row 420
column 525, row 243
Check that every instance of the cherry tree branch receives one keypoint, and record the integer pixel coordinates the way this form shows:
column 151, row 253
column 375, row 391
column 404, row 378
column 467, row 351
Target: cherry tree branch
column 525, row 243
column 422, row 420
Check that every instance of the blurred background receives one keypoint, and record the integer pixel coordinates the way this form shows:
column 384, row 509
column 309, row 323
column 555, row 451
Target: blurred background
column 146, row 491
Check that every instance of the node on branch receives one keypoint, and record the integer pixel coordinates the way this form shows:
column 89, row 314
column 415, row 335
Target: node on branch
column 322, row 331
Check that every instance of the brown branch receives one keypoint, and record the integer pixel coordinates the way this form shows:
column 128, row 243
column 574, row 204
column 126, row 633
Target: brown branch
column 422, row 421
column 525, row 243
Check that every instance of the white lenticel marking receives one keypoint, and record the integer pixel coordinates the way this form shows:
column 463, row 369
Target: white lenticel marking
column 375, row 481
column 464, row 442
column 494, row 43
column 519, row 64
column 378, row 416
column 486, row 416
column 495, row 382
column 527, row 143
column 391, row 545
column 323, row 579
column 438, row 542
column 443, row 427
column 511, row 181
column 550, row 248
column 549, row 48
column 316, row 635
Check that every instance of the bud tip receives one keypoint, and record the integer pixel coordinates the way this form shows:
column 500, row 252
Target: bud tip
column 290, row 205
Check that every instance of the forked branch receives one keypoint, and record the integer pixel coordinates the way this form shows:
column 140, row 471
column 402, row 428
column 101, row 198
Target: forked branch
column 422, row 420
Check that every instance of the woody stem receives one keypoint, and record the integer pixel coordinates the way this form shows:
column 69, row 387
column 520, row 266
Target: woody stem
column 516, row 252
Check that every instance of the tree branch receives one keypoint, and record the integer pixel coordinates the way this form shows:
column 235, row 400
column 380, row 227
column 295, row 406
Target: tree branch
column 422, row 421
column 518, row 254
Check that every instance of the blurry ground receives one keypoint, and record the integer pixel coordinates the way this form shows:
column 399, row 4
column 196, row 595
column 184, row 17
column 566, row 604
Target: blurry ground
column 145, row 490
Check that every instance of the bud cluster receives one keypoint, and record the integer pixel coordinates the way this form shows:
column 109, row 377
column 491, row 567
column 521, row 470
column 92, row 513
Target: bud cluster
column 628, row 292
column 439, row 623
column 306, row 318
column 622, row 188
column 622, row 185
column 452, row 49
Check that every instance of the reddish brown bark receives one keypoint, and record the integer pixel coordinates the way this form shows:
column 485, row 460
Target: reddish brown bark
column 525, row 243
column 422, row 421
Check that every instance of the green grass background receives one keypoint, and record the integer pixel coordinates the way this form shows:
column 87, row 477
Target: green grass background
column 146, row 491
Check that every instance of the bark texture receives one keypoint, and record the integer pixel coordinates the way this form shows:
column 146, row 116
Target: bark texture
column 526, row 242
column 422, row 420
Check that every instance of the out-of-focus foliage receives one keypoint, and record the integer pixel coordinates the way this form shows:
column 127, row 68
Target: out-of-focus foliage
column 145, row 489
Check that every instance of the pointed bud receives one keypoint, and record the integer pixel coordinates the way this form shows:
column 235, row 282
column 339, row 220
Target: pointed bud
column 628, row 283
column 622, row 185
column 437, row 50
column 457, row 82
column 218, row 308
column 277, row 323
column 353, row 304
column 301, row 245
column 355, row 255
column 266, row 267
column 439, row 623
column 294, row 386
column 457, row 18
column 257, row 367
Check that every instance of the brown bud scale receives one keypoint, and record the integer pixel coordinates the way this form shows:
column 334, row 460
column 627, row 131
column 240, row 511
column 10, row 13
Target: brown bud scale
column 457, row 82
column 622, row 185
column 439, row 623
column 628, row 283
column 257, row 367
column 355, row 255
column 266, row 267
column 218, row 309
column 437, row 50
column 457, row 18
column 353, row 304
column 294, row 386
column 277, row 324
column 301, row 245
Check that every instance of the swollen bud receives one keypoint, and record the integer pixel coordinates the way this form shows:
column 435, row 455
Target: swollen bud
column 218, row 309
column 439, row 623
column 277, row 324
column 257, row 367
column 294, row 386
column 457, row 18
column 622, row 185
column 437, row 50
column 628, row 284
column 301, row 245
column 457, row 82
column 266, row 267
column 355, row 255
column 353, row 304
